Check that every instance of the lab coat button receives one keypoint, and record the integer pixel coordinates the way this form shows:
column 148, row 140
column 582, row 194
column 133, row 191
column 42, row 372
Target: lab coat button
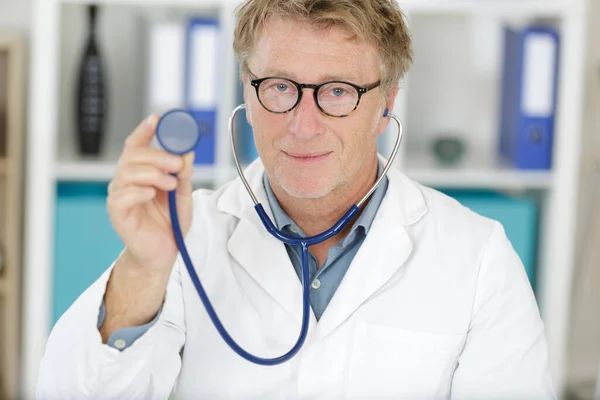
column 316, row 284
column 120, row 344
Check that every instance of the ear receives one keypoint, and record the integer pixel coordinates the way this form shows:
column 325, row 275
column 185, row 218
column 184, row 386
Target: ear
column 389, row 106
column 245, row 86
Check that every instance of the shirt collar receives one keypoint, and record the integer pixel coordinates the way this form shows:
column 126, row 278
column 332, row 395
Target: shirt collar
column 285, row 224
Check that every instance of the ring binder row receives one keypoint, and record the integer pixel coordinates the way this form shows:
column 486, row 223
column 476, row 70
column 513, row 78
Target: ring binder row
column 183, row 72
column 528, row 96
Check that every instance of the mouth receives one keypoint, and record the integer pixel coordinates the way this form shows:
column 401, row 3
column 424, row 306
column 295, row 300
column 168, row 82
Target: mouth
column 308, row 157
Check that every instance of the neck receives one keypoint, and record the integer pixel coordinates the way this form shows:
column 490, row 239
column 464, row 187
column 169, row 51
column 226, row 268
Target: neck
column 314, row 216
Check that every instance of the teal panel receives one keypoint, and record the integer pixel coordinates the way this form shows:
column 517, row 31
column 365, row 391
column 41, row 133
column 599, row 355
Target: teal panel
column 85, row 243
column 518, row 215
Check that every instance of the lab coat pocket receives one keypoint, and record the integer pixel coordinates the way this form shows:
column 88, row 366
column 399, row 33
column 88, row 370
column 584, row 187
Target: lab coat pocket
column 389, row 361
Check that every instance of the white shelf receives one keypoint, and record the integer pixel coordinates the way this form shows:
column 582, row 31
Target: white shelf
column 466, row 104
column 511, row 6
column 71, row 167
column 504, row 7
column 482, row 173
column 194, row 4
column 103, row 171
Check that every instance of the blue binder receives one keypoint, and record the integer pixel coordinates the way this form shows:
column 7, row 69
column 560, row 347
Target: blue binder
column 528, row 96
column 202, row 83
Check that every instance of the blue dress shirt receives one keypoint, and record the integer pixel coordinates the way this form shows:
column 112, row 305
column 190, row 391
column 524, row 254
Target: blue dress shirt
column 325, row 279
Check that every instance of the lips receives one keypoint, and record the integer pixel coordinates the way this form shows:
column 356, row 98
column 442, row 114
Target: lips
column 307, row 155
column 307, row 158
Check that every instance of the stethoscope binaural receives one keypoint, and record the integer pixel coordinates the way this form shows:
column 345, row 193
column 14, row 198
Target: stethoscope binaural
column 179, row 133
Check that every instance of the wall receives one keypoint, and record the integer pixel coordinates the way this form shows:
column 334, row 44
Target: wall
column 15, row 14
column 584, row 350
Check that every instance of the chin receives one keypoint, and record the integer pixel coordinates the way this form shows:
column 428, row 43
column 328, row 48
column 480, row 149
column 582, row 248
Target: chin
column 307, row 194
column 303, row 187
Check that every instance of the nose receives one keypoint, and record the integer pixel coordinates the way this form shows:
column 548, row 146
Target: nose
column 307, row 119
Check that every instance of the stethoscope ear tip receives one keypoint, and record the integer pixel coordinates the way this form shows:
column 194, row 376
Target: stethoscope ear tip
column 385, row 113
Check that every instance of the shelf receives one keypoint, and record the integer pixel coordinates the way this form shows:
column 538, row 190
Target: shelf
column 469, row 72
column 103, row 171
column 533, row 8
column 413, row 5
column 73, row 167
column 194, row 4
column 505, row 7
column 474, row 173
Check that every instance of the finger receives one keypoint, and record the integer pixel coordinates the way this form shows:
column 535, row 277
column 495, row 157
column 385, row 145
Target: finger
column 184, row 187
column 142, row 135
column 157, row 158
column 144, row 175
column 120, row 202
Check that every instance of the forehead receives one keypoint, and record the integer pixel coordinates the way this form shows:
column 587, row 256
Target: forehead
column 311, row 54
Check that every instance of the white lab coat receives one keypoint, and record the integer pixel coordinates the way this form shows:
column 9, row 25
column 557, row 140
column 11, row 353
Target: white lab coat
column 436, row 304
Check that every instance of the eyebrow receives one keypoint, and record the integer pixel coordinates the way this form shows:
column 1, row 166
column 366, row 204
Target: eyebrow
column 284, row 74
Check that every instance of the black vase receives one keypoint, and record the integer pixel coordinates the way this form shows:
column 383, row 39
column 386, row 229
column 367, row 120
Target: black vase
column 91, row 102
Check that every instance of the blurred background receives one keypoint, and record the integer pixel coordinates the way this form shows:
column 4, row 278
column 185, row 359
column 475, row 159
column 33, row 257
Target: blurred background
column 501, row 110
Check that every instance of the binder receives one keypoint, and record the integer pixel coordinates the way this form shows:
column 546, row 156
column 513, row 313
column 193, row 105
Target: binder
column 202, row 83
column 165, row 57
column 528, row 96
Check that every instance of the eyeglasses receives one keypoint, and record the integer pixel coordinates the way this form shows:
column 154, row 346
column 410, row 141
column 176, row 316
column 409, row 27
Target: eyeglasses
column 334, row 98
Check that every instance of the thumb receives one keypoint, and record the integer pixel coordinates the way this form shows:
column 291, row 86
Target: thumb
column 184, row 187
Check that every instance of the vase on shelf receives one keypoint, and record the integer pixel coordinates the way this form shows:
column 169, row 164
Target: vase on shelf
column 91, row 101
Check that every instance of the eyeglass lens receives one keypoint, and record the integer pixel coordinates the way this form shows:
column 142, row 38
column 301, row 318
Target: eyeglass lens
column 280, row 95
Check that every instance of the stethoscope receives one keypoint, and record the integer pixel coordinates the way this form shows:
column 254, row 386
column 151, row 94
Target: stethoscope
column 179, row 133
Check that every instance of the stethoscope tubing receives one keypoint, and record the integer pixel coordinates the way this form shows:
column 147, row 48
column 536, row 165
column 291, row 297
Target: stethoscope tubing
column 270, row 227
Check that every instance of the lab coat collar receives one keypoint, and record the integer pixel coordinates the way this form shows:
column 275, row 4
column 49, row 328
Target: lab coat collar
column 265, row 258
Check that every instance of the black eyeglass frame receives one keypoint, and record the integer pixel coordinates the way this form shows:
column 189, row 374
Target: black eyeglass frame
column 299, row 86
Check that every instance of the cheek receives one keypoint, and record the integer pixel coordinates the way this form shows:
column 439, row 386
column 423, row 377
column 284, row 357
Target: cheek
column 364, row 131
column 264, row 127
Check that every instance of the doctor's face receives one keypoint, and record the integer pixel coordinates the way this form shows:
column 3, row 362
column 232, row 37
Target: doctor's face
column 306, row 152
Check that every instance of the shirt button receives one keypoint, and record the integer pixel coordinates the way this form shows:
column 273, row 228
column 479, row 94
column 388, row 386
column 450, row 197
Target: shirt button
column 316, row 284
column 293, row 229
column 120, row 344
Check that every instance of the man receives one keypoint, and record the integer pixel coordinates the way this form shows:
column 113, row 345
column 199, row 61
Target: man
column 417, row 297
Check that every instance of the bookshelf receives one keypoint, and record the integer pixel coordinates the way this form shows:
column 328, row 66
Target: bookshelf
column 12, row 117
column 58, row 33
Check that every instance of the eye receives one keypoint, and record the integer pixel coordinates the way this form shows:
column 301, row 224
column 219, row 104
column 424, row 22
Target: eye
column 281, row 87
column 338, row 91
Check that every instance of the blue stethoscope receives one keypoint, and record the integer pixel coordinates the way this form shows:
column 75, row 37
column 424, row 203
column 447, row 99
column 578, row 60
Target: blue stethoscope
column 179, row 133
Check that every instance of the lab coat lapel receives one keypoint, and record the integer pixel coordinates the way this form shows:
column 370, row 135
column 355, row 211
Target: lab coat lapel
column 262, row 256
column 382, row 254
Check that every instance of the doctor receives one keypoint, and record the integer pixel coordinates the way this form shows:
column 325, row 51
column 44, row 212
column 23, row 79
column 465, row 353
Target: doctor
column 417, row 298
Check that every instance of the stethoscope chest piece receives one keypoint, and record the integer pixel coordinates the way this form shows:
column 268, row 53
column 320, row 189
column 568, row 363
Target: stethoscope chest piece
column 178, row 132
